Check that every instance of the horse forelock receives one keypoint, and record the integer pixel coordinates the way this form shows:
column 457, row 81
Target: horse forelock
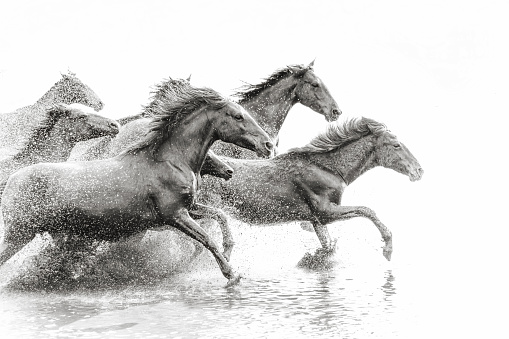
column 248, row 91
column 339, row 134
column 169, row 108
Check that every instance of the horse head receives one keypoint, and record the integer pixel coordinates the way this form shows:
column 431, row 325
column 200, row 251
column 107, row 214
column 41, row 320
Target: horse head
column 82, row 124
column 312, row 92
column 237, row 126
column 395, row 155
column 214, row 166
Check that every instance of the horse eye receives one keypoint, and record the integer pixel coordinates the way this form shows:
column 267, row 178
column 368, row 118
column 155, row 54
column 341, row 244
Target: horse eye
column 397, row 145
column 314, row 84
column 238, row 117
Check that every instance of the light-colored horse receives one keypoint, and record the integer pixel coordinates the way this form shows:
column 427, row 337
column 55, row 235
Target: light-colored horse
column 15, row 127
column 53, row 139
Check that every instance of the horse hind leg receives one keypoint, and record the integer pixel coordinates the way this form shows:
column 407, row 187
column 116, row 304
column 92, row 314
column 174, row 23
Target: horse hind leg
column 203, row 211
column 187, row 225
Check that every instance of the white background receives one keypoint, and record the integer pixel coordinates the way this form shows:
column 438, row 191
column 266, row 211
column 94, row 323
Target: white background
column 435, row 72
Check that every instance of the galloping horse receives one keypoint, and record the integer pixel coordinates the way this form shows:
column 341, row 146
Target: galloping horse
column 16, row 125
column 151, row 185
column 307, row 183
column 136, row 127
column 270, row 101
column 53, row 139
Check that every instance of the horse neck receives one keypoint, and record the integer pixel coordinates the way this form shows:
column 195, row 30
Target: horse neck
column 56, row 94
column 351, row 160
column 52, row 96
column 271, row 106
column 55, row 146
column 189, row 142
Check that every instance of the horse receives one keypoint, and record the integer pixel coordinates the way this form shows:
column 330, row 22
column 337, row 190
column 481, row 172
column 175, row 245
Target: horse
column 53, row 139
column 135, row 128
column 270, row 101
column 68, row 90
column 307, row 183
column 151, row 185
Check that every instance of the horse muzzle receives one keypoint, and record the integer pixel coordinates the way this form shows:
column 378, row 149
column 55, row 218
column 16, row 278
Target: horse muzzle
column 333, row 115
column 266, row 151
column 416, row 175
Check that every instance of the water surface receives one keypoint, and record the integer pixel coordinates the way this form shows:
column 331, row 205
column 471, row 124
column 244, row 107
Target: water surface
column 362, row 296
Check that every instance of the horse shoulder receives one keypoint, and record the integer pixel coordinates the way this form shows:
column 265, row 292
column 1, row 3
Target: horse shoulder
column 319, row 185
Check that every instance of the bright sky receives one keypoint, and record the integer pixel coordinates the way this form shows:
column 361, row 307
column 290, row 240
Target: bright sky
column 435, row 72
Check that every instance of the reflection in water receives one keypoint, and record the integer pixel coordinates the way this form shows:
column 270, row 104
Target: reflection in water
column 341, row 303
column 276, row 299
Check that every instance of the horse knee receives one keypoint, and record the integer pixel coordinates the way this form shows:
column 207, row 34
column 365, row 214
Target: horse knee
column 368, row 212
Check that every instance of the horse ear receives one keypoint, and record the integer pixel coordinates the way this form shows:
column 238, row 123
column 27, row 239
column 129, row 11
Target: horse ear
column 311, row 64
column 189, row 78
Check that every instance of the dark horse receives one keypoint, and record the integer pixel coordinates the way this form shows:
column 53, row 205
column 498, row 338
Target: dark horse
column 135, row 127
column 307, row 183
column 151, row 185
column 270, row 101
column 53, row 139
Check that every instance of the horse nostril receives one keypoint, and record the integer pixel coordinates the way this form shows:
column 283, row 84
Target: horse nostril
column 269, row 145
column 114, row 125
column 229, row 171
column 336, row 111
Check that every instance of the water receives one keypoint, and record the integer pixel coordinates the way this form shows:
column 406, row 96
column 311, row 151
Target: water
column 362, row 296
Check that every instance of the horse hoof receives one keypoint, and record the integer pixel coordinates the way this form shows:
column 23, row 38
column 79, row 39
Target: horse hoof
column 234, row 281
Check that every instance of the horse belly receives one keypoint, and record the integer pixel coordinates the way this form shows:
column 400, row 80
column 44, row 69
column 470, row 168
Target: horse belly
column 269, row 202
column 110, row 226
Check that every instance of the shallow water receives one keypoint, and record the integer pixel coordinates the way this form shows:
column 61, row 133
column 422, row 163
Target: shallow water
column 362, row 296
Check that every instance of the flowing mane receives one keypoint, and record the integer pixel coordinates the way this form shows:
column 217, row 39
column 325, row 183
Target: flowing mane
column 163, row 91
column 166, row 90
column 43, row 129
column 169, row 107
column 249, row 91
column 338, row 135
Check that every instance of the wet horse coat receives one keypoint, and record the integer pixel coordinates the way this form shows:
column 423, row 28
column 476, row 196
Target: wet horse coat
column 53, row 139
column 152, row 185
column 307, row 183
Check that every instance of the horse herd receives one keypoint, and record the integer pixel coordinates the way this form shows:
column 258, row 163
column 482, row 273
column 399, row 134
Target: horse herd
column 147, row 171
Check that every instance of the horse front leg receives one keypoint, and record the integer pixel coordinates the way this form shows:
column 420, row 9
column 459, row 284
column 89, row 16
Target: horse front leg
column 323, row 235
column 217, row 214
column 337, row 213
column 183, row 222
